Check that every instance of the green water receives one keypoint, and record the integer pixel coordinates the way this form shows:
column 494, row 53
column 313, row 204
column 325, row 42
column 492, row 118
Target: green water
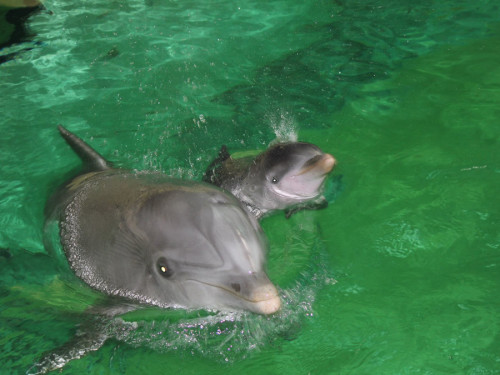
column 399, row 275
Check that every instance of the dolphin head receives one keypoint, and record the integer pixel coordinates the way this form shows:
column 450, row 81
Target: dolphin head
column 292, row 172
column 203, row 251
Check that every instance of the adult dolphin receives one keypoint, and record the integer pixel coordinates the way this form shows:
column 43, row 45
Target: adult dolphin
column 286, row 176
column 158, row 240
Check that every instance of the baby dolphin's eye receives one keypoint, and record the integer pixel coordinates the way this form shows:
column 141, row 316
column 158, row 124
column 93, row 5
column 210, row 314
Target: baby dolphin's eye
column 163, row 268
column 274, row 180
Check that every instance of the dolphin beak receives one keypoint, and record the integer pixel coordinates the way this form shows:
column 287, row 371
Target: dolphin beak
column 265, row 299
column 321, row 163
column 259, row 295
column 327, row 162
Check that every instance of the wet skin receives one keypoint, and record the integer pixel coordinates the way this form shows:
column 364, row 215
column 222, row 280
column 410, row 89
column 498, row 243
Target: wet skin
column 283, row 176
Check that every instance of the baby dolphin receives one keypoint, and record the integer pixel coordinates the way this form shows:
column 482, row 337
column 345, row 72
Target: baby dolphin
column 284, row 176
column 159, row 240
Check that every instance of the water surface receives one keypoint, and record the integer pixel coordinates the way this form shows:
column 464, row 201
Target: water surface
column 399, row 275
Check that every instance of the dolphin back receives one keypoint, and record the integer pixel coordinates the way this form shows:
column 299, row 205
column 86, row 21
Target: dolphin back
column 91, row 159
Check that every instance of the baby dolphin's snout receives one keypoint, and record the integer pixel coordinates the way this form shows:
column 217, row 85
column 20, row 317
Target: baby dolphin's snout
column 319, row 164
column 327, row 162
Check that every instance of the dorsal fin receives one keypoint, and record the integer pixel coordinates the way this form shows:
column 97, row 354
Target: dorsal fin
column 223, row 153
column 92, row 160
column 210, row 175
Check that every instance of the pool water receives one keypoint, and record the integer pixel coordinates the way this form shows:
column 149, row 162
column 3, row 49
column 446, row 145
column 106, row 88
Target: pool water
column 399, row 275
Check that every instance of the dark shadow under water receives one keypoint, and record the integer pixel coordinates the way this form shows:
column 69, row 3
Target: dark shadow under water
column 13, row 23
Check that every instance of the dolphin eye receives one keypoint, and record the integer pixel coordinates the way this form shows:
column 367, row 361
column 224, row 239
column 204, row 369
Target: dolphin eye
column 163, row 268
column 274, row 180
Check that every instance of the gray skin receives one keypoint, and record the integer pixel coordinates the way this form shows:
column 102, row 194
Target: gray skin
column 161, row 241
column 287, row 176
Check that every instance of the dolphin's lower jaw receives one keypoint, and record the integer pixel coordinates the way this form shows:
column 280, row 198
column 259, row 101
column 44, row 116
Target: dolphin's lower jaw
column 263, row 299
column 295, row 197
